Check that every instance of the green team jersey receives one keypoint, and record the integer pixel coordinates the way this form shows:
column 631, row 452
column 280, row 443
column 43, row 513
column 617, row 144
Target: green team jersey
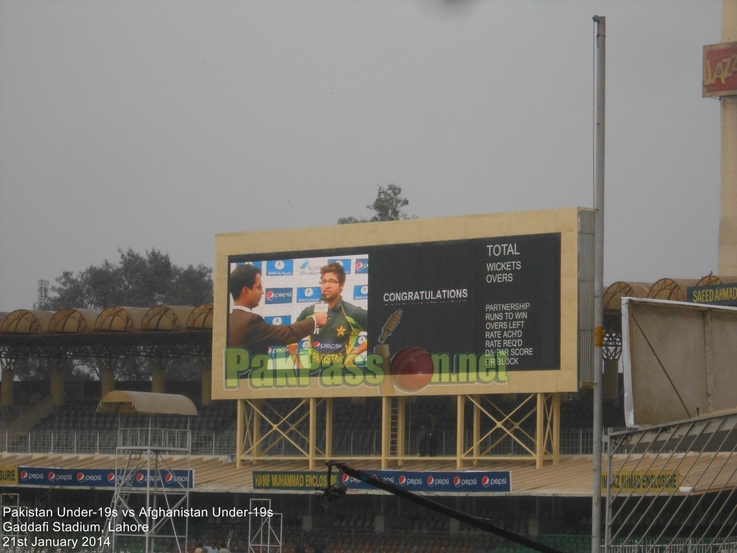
column 338, row 336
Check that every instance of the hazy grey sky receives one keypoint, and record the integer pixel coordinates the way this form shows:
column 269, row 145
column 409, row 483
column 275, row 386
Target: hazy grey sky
column 158, row 124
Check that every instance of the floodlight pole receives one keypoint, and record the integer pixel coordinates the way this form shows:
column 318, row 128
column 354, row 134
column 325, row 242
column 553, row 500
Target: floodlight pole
column 598, row 281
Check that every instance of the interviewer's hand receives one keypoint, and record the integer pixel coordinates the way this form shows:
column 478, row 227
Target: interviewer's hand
column 321, row 319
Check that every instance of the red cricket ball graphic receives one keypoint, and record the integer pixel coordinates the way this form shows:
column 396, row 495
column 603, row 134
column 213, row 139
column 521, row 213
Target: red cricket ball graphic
column 412, row 368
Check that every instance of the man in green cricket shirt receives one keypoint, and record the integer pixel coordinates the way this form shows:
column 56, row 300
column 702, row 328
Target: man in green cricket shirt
column 338, row 341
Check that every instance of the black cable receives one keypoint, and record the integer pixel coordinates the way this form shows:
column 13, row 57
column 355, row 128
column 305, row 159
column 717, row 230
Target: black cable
column 476, row 522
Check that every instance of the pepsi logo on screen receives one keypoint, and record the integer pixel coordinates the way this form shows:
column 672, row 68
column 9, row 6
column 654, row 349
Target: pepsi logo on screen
column 278, row 295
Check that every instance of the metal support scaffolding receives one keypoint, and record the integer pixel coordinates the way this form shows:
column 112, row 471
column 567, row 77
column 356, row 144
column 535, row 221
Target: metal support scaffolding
column 294, row 425
column 264, row 527
column 288, row 430
column 493, row 423
column 150, row 504
column 135, row 514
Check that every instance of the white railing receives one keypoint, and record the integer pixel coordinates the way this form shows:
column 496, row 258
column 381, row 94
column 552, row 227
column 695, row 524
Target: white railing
column 160, row 438
column 574, row 441
column 105, row 442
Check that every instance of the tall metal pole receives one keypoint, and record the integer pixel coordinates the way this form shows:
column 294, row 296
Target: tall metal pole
column 728, row 196
column 598, row 282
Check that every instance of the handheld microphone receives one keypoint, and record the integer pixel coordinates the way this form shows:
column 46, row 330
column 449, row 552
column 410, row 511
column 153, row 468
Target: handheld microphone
column 320, row 307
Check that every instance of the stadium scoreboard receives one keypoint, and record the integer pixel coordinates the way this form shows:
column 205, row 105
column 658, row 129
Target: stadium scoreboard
column 485, row 304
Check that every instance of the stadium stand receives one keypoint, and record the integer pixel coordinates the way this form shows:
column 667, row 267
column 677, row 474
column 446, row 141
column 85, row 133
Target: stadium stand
column 76, row 427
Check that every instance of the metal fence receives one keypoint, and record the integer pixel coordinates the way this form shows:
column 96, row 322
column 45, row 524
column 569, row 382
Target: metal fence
column 105, row 442
column 574, row 441
column 671, row 488
column 159, row 438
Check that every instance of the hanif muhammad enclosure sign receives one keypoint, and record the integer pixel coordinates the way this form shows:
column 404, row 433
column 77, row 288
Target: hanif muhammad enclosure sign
column 471, row 315
column 415, row 481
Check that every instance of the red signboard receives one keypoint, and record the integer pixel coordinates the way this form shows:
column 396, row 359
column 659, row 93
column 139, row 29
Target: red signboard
column 720, row 70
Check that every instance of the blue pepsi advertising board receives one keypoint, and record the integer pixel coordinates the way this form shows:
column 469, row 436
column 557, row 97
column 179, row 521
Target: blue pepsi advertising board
column 436, row 481
column 102, row 478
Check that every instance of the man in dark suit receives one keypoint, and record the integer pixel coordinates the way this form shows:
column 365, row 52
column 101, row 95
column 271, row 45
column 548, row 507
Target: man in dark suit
column 249, row 330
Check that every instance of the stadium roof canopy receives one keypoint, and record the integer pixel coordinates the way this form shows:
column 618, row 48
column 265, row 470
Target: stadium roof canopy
column 116, row 332
column 146, row 403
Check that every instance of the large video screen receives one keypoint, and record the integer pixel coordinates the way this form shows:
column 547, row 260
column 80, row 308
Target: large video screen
column 291, row 290
column 457, row 312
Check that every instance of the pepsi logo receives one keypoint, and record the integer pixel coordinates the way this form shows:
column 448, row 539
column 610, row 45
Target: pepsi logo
column 359, row 265
column 169, row 478
column 139, row 477
column 80, row 477
column 23, row 475
column 457, row 481
column 345, row 478
column 430, row 481
column 485, row 481
column 111, row 477
column 51, row 476
column 403, row 481
column 279, row 295
column 324, row 346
